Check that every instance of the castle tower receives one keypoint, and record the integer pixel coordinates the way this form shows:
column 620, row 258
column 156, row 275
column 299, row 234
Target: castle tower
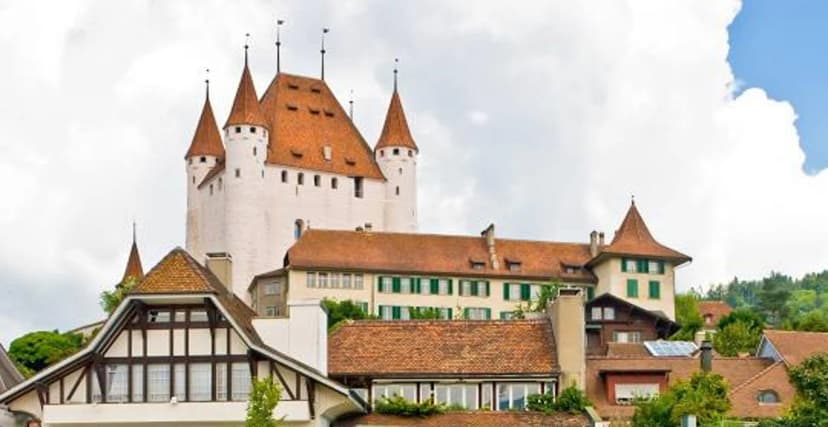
column 134, row 269
column 206, row 153
column 396, row 153
column 246, row 133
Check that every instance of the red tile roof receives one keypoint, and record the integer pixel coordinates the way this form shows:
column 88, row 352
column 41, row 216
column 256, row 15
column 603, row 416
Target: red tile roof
column 304, row 118
column 395, row 131
column 471, row 419
column 246, row 110
column 178, row 273
column 207, row 139
column 437, row 254
column 9, row 375
column 634, row 238
column 796, row 346
column 715, row 309
column 133, row 267
column 744, row 396
column 417, row 348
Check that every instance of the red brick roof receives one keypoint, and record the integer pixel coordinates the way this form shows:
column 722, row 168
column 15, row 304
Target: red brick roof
column 437, row 254
column 715, row 309
column 634, row 238
column 178, row 273
column 304, row 117
column 796, row 346
column 395, row 131
column 471, row 419
column 735, row 370
column 133, row 267
column 417, row 348
column 774, row 378
column 246, row 110
column 207, row 139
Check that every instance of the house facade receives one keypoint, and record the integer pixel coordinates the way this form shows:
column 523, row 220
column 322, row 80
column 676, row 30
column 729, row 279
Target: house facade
column 470, row 277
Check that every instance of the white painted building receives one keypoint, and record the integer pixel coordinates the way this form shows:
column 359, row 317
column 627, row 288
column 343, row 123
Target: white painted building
column 287, row 162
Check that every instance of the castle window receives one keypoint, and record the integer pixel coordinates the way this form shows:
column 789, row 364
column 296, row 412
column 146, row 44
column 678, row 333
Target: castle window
column 767, row 397
column 317, row 180
column 334, row 183
column 252, row 129
column 238, row 129
column 382, row 153
column 298, row 227
column 397, row 190
column 203, row 159
column 285, row 176
column 400, row 171
column 211, row 189
column 358, row 190
column 220, row 184
column 238, row 172
column 193, row 180
column 410, row 153
column 396, row 151
column 190, row 160
column 300, row 178
column 262, row 173
column 254, row 150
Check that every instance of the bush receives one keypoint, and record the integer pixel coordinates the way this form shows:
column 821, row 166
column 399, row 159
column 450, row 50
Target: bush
column 541, row 403
column 570, row 400
column 398, row 405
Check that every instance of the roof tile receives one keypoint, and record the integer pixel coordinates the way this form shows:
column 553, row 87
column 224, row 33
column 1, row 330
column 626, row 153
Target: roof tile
column 207, row 139
column 395, row 131
column 634, row 238
column 246, row 110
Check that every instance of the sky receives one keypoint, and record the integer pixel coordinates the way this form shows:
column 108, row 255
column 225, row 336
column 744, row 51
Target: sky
column 543, row 119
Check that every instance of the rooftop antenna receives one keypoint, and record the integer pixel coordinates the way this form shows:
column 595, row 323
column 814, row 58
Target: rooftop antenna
column 351, row 106
column 396, row 62
column 207, row 81
column 246, row 46
column 324, row 31
column 279, row 23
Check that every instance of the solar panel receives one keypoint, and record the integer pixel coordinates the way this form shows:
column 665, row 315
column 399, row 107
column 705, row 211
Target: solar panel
column 663, row 348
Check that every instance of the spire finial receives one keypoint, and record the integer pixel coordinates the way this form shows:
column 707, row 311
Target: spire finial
column 246, row 46
column 632, row 199
column 322, row 51
column 279, row 23
column 396, row 63
column 207, row 82
column 351, row 106
column 133, row 233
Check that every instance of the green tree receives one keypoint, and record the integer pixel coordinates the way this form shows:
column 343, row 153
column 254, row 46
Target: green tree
column 736, row 338
column 810, row 378
column 704, row 395
column 772, row 297
column 37, row 350
column 540, row 301
column 749, row 317
column 110, row 300
column 688, row 316
column 342, row 310
column 813, row 321
column 264, row 396
column 424, row 313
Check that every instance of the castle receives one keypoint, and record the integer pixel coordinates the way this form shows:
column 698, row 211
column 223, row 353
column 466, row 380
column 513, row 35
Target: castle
column 287, row 161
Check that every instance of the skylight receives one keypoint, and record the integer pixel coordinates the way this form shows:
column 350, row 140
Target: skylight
column 663, row 348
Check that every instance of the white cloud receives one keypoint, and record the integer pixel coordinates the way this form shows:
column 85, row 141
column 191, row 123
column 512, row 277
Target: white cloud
column 584, row 104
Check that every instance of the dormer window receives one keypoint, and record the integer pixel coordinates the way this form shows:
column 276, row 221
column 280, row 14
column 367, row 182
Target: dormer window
column 513, row 266
column 293, row 86
column 476, row 265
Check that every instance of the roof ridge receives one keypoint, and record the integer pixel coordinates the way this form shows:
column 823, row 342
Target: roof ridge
column 464, row 236
column 755, row 377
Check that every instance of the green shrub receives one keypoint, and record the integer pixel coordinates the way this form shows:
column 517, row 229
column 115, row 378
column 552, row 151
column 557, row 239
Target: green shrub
column 398, row 405
column 572, row 400
column 541, row 403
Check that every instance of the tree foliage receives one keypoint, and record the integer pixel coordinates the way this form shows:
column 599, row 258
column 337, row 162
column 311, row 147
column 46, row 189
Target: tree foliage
column 110, row 300
column 37, row 350
column 571, row 400
column 398, row 405
column 703, row 395
column 343, row 310
column 424, row 313
column 735, row 338
column 264, row 396
column 540, row 301
column 688, row 316
column 810, row 378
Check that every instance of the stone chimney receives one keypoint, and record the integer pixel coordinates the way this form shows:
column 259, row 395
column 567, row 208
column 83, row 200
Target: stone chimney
column 303, row 335
column 600, row 239
column 567, row 316
column 593, row 243
column 706, row 356
column 489, row 235
column 221, row 265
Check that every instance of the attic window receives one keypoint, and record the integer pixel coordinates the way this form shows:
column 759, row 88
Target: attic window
column 292, row 107
column 316, row 90
column 314, row 111
column 513, row 265
column 329, row 113
column 477, row 265
column 295, row 152
column 293, row 86
column 350, row 161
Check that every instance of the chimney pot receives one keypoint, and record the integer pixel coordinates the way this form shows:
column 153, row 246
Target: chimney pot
column 601, row 239
column 593, row 243
column 489, row 235
column 706, row 356
column 221, row 265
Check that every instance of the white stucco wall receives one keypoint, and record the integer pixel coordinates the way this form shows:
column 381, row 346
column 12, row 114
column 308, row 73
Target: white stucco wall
column 401, row 172
column 611, row 279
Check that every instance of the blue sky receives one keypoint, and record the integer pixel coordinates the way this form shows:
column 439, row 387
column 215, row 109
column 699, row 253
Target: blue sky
column 782, row 47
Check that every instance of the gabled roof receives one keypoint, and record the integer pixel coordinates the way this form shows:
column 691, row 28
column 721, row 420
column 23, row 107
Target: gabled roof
column 634, row 238
column 178, row 273
column 669, row 326
column 304, row 118
column 796, row 346
column 715, row 309
column 395, row 131
column 207, row 139
column 9, row 375
column 134, row 269
column 246, row 110
column 454, row 348
column 437, row 254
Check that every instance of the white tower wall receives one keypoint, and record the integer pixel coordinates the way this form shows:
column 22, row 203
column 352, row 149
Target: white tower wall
column 197, row 168
column 399, row 165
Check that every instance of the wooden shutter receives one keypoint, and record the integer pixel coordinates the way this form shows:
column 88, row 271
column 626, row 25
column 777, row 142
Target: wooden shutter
column 655, row 289
column 488, row 312
column 661, row 267
column 623, row 265
column 505, row 291
column 474, row 291
column 395, row 312
column 632, row 288
column 415, row 285
column 395, row 285
column 525, row 292
column 487, row 288
column 642, row 265
column 466, row 313
column 451, row 288
column 450, row 315
column 590, row 293
column 435, row 286
column 380, row 284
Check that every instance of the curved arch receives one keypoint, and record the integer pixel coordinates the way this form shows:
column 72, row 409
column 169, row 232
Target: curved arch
column 768, row 397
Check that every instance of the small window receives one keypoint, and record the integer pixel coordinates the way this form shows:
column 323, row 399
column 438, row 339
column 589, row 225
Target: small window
column 767, row 397
column 626, row 337
column 316, row 90
column 397, row 190
column 158, row 316
column 596, row 313
column 254, row 149
column 197, row 316
column 271, row 311
column 400, row 171
column 396, row 151
column 410, row 153
column 220, row 184
column 203, row 159
column 476, row 265
column 190, row 160
column 293, row 86
column 211, row 189
column 238, row 129
column 292, row 107
column 298, row 228
column 252, row 130
column 514, row 266
column 238, row 172
column 300, row 178
column 193, row 180
column 609, row 313
column 334, row 183
column 382, row 153
column 285, row 176
column 317, row 180
column 358, row 190
column 273, row 288
column 310, row 279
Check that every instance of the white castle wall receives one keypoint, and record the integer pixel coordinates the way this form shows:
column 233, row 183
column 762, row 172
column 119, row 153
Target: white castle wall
column 401, row 188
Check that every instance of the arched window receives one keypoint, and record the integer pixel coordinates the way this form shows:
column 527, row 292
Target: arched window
column 767, row 397
column 300, row 179
column 298, row 227
column 284, row 176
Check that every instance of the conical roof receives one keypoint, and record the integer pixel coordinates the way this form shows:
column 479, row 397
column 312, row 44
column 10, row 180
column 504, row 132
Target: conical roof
column 634, row 238
column 395, row 131
column 207, row 139
column 134, row 269
column 246, row 109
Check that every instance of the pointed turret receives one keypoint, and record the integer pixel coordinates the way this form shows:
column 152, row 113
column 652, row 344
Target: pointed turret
column 634, row 238
column 246, row 109
column 395, row 132
column 207, row 139
column 134, row 269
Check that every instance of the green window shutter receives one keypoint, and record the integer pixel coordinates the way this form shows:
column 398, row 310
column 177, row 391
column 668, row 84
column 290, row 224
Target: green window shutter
column 451, row 287
column 466, row 313
column 487, row 288
column 450, row 314
column 504, row 315
column 623, row 265
column 642, row 265
column 435, row 286
column 415, row 282
column 505, row 291
column 632, row 288
column 661, row 267
column 590, row 293
column 655, row 289
column 380, row 287
column 488, row 312
column 395, row 312
column 474, row 291
column 395, row 285
column 382, row 310
column 525, row 292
